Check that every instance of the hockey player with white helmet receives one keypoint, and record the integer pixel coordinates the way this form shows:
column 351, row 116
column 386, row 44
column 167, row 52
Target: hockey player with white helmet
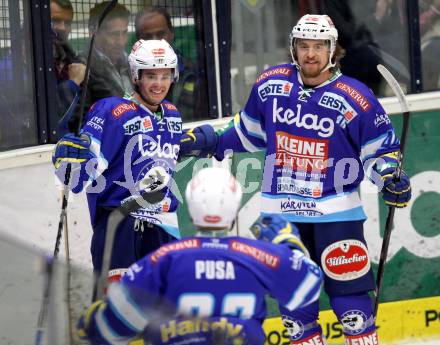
column 322, row 132
column 127, row 146
column 214, row 283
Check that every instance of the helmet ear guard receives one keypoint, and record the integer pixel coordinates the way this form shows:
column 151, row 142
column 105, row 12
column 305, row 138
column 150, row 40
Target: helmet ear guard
column 213, row 198
column 314, row 27
column 152, row 54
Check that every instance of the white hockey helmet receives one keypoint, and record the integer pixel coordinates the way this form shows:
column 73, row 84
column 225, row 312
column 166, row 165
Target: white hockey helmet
column 314, row 27
column 152, row 54
column 213, row 197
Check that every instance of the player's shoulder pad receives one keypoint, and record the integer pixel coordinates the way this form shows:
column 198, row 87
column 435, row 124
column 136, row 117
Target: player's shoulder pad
column 283, row 71
column 119, row 107
column 356, row 93
column 169, row 107
column 166, row 250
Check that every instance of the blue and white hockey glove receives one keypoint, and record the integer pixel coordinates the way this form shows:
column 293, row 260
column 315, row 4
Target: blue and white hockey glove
column 72, row 149
column 276, row 229
column 199, row 141
column 395, row 193
column 86, row 323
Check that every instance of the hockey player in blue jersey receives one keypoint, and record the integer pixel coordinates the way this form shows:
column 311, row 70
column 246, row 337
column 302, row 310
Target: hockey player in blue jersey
column 322, row 132
column 216, row 282
column 125, row 145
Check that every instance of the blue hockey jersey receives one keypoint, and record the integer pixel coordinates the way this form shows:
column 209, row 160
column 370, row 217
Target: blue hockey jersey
column 318, row 143
column 220, row 281
column 130, row 143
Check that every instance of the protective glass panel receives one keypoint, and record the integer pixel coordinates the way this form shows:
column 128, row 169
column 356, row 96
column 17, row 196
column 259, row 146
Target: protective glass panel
column 25, row 313
column 17, row 91
column 110, row 73
column 370, row 31
column 429, row 16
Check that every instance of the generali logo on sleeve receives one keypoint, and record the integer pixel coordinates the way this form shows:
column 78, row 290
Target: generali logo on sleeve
column 345, row 260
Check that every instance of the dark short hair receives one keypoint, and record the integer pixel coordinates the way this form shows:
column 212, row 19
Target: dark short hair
column 119, row 11
column 148, row 10
column 66, row 4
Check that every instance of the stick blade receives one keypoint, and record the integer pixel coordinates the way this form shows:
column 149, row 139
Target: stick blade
column 394, row 84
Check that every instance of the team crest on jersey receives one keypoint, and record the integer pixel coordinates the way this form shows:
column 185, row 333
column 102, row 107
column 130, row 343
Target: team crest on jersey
column 137, row 125
column 345, row 260
column 304, row 93
column 276, row 71
column 274, row 87
column 122, row 108
column 333, row 101
column 354, row 94
column 354, row 322
column 295, row 328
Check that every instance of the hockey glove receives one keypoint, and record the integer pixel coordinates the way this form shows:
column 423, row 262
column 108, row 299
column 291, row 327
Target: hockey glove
column 72, row 149
column 395, row 192
column 277, row 229
column 199, row 141
column 86, row 323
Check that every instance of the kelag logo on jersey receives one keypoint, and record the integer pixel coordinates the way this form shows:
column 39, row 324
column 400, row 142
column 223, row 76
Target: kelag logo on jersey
column 274, row 88
column 324, row 126
column 174, row 124
column 138, row 125
column 336, row 102
column 300, row 187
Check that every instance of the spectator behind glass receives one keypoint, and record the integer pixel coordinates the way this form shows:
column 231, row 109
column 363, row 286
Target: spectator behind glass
column 109, row 70
column 430, row 32
column 69, row 70
column 155, row 23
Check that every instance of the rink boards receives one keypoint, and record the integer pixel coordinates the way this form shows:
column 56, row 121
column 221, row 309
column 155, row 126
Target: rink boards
column 411, row 320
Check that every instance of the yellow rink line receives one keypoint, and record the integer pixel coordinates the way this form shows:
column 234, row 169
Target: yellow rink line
column 417, row 320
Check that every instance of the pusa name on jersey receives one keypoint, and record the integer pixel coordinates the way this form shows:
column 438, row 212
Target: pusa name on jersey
column 140, row 146
column 317, row 142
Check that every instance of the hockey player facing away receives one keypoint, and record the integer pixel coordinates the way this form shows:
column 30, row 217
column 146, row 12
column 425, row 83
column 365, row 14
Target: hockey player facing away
column 219, row 278
column 129, row 145
column 322, row 132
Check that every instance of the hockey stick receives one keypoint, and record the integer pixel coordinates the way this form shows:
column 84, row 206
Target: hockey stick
column 392, row 82
column 42, row 315
column 67, row 175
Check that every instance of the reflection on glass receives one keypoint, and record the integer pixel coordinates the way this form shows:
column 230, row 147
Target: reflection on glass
column 429, row 11
column 17, row 110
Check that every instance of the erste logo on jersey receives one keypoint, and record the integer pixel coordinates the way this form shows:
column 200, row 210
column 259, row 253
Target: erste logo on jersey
column 324, row 126
column 274, row 87
column 122, row 108
column 138, row 124
column 287, row 185
column 276, row 71
column 174, row 124
column 355, row 95
column 300, row 153
column 333, row 101
column 345, row 260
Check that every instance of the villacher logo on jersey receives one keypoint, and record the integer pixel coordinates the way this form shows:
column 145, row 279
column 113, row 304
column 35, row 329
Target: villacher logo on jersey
column 345, row 260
